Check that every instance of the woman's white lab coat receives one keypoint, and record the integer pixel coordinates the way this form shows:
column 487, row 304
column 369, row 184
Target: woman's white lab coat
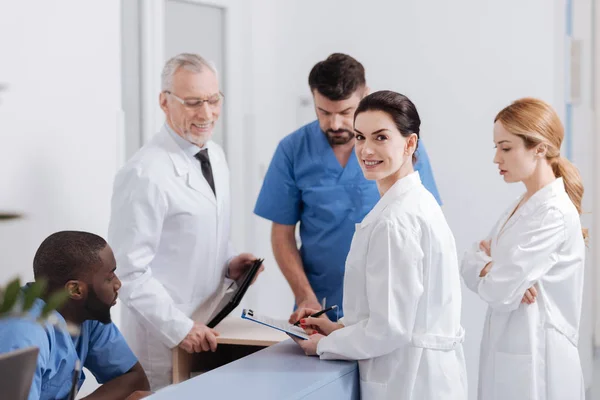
column 402, row 301
column 530, row 351
column 170, row 236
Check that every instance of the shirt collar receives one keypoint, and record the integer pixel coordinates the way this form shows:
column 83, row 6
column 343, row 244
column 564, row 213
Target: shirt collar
column 398, row 190
column 544, row 194
column 55, row 318
column 188, row 148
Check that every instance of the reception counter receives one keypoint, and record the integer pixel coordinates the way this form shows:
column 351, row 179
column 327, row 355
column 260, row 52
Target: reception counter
column 281, row 371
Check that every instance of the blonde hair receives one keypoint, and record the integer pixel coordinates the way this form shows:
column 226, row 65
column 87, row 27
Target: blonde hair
column 535, row 121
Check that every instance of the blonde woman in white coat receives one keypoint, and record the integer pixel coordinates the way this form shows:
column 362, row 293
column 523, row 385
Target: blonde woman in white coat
column 530, row 269
column 402, row 295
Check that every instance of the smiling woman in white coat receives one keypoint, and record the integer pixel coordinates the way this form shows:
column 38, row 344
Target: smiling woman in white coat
column 530, row 269
column 402, row 294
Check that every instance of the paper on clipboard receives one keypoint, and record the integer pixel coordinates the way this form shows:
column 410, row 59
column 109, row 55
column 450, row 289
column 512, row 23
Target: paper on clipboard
column 280, row 325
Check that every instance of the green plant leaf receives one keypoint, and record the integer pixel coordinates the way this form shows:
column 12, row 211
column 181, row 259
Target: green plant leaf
column 32, row 292
column 7, row 216
column 55, row 301
column 11, row 294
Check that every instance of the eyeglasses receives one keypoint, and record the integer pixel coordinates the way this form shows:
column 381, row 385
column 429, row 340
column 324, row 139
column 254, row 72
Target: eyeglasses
column 213, row 101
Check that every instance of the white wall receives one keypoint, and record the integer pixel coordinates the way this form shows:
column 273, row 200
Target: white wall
column 59, row 121
column 270, row 115
column 582, row 133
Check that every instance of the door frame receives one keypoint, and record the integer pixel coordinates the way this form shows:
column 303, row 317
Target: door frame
column 595, row 103
column 152, row 53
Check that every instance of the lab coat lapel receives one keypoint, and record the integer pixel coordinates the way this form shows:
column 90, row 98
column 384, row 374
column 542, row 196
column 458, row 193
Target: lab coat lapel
column 510, row 218
column 198, row 183
column 218, row 165
column 398, row 189
column 182, row 164
column 532, row 204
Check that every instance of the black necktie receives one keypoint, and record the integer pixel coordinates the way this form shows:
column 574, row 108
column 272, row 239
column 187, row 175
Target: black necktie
column 202, row 156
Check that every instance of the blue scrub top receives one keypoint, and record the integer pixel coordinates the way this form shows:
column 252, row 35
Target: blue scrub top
column 306, row 183
column 101, row 349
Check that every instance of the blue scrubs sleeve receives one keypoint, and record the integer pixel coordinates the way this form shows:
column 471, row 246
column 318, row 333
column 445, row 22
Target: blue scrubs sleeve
column 425, row 172
column 279, row 198
column 109, row 355
column 21, row 333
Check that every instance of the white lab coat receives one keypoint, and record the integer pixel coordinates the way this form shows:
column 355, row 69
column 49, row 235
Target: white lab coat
column 530, row 351
column 402, row 301
column 170, row 237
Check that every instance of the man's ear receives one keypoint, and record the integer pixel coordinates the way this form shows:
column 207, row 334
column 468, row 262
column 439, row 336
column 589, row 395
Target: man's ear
column 77, row 289
column 162, row 101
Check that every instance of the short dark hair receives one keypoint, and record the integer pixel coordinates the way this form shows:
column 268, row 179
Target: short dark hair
column 337, row 77
column 67, row 255
column 399, row 107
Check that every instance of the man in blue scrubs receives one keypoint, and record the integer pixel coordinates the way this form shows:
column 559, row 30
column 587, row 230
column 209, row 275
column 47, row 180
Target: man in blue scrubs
column 315, row 179
column 84, row 265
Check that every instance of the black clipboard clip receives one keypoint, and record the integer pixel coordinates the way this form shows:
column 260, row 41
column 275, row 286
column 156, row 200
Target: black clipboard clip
column 232, row 299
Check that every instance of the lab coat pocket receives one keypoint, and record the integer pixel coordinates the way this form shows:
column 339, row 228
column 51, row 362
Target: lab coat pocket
column 512, row 376
column 370, row 390
column 565, row 377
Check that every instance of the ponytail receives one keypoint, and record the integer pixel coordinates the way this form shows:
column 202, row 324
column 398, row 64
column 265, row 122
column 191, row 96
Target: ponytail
column 563, row 168
column 536, row 122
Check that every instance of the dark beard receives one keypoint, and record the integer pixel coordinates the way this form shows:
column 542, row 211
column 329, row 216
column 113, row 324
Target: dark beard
column 338, row 140
column 96, row 309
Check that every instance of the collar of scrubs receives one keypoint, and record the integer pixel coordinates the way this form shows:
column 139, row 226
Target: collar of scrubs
column 398, row 189
column 328, row 159
column 55, row 318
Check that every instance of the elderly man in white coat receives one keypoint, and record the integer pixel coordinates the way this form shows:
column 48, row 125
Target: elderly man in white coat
column 169, row 226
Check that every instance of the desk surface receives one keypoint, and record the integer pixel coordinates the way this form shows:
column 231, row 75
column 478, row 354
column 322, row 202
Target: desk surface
column 281, row 371
column 235, row 330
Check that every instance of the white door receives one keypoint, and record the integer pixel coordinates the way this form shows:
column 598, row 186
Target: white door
column 197, row 28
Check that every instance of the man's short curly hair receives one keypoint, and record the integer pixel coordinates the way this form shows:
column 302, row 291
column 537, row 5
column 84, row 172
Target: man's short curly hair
column 337, row 77
column 67, row 255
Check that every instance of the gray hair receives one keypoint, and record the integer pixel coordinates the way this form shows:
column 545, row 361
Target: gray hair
column 191, row 62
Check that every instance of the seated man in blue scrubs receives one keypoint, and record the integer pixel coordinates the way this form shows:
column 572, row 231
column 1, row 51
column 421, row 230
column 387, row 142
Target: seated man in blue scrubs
column 83, row 264
column 314, row 178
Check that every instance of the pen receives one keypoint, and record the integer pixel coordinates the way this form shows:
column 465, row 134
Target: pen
column 318, row 314
column 76, row 372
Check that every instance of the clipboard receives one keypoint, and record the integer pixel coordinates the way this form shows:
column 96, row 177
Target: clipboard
column 283, row 326
column 233, row 297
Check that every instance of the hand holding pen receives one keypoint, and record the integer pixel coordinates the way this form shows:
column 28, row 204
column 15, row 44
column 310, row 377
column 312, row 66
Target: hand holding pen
column 317, row 314
column 317, row 322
